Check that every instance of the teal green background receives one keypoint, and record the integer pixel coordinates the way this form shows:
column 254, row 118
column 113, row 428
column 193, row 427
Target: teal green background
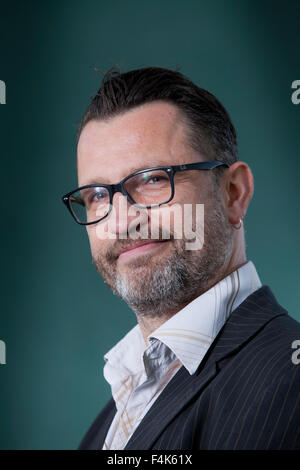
column 57, row 316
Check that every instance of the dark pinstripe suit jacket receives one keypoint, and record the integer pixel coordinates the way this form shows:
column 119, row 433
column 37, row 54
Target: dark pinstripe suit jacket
column 244, row 395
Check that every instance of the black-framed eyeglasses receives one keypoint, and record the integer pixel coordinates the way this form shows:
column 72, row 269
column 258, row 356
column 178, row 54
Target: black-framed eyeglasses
column 151, row 187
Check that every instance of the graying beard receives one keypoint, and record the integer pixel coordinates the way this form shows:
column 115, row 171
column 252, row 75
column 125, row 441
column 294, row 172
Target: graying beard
column 165, row 290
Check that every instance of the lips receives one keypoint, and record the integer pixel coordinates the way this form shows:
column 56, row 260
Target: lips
column 147, row 244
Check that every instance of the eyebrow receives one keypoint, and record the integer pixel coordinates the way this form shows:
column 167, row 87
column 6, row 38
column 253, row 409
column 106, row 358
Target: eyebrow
column 133, row 169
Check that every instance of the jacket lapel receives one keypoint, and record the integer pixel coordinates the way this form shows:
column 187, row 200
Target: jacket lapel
column 244, row 323
column 173, row 398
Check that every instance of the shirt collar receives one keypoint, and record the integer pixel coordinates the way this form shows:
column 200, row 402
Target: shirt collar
column 126, row 357
column 190, row 332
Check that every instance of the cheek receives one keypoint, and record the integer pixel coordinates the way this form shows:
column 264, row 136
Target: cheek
column 96, row 243
column 195, row 192
column 168, row 221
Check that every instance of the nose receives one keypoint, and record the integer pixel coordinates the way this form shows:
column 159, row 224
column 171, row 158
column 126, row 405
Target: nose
column 119, row 216
column 125, row 218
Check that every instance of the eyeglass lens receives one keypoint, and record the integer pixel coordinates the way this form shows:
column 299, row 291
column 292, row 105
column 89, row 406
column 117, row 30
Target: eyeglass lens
column 145, row 189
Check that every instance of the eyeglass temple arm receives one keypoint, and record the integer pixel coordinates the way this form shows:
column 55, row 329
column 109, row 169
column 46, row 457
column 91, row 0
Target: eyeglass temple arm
column 199, row 166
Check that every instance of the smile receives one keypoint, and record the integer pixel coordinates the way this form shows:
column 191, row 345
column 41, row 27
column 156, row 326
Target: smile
column 141, row 248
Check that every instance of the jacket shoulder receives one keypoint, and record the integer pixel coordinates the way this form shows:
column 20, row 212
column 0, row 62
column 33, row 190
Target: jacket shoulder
column 94, row 437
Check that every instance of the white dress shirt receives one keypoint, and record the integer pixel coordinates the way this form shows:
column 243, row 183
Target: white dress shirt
column 137, row 374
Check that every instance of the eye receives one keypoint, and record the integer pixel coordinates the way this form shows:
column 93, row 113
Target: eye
column 95, row 195
column 98, row 195
column 155, row 178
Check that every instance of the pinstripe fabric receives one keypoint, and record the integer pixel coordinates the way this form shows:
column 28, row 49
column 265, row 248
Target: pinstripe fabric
column 244, row 395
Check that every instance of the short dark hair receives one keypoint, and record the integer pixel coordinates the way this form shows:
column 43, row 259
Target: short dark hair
column 209, row 126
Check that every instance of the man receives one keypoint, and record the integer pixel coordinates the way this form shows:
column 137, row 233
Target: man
column 209, row 363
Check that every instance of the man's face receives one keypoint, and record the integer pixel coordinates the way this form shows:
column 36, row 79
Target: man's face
column 162, row 275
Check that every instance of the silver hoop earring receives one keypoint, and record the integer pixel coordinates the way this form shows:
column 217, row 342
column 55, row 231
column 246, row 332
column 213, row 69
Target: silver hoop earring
column 237, row 227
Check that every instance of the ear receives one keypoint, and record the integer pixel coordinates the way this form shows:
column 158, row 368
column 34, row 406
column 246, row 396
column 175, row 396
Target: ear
column 238, row 188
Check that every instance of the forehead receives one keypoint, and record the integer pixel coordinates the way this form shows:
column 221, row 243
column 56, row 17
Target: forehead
column 150, row 135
